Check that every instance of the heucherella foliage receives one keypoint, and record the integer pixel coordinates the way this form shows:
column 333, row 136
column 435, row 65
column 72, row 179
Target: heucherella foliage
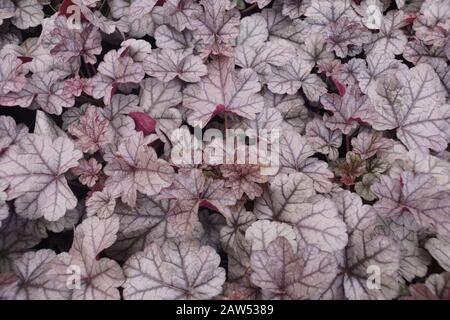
column 224, row 149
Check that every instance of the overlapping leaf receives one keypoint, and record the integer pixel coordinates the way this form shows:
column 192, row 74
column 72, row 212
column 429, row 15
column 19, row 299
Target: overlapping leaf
column 184, row 270
column 417, row 194
column 129, row 103
column 364, row 255
column 135, row 167
column 282, row 273
column 115, row 69
column 99, row 278
column 294, row 75
column 168, row 64
column 223, row 90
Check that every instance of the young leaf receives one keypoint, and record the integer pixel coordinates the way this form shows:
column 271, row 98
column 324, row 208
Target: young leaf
column 347, row 111
column 115, row 69
column 91, row 131
column 88, row 171
column 283, row 273
column 135, row 167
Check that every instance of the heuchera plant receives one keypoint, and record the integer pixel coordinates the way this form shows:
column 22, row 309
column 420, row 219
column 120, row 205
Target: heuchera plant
column 96, row 98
